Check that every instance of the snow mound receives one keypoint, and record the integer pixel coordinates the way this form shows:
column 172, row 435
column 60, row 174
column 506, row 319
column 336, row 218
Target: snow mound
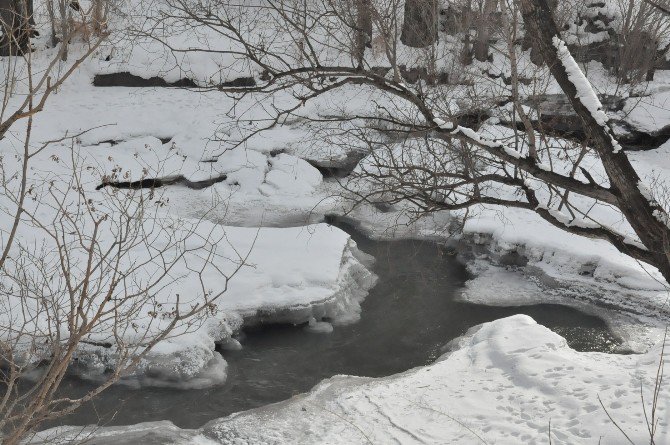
column 286, row 275
column 292, row 275
column 507, row 381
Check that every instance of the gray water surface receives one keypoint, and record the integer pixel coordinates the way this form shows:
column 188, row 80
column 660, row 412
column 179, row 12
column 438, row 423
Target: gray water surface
column 407, row 318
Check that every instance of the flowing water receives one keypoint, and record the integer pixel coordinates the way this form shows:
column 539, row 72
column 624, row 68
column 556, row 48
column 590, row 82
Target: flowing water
column 407, row 318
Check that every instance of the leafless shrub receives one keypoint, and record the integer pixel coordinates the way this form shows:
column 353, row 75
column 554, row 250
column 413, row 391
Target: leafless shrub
column 91, row 278
column 80, row 271
column 643, row 29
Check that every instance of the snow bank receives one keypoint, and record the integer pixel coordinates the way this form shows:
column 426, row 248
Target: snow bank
column 299, row 267
column 521, row 260
column 145, row 433
column 291, row 275
column 649, row 113
column 517, row 258
column 505, row 384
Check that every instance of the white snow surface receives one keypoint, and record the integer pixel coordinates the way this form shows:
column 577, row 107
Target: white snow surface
column 290, row 275
column 504, row 383
column 585, row 92
column 650, row 113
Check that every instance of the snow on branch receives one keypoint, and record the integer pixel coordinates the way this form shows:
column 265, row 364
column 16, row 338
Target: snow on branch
column 585, row 92
column 525, row 163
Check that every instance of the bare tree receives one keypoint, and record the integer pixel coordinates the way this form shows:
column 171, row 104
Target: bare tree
column 484, row 26
column 15, row 26
column 92, row 278
column 629, row 38
column 465, row 168
column 84, row 272
column 363, row 34
column 99, row 13
column 646, row 216
column 643, row 28
column 419, row 28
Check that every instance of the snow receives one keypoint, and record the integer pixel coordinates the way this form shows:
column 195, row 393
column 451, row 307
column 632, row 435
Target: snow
column 319, row 327
column 153, row 432
column 584, row 273
column 316, row 274
column 646, row 193
column 285, row 275
column 585, row 92
column 523, row 375
column 505, row 382
column 290, row 173
column 650, row 112
column 549, row 244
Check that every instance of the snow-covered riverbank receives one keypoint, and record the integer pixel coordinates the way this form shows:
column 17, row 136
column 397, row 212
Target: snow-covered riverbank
column 509, row 381
column 319, row 275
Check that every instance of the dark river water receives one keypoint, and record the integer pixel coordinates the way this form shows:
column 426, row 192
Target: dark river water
column 407, row 318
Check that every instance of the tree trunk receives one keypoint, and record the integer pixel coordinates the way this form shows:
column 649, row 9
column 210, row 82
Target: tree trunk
column 15, row 26
column 535, row 55
column 419, row 28
column 481, row 46
column 647, row 218
column 363, row 37
column 65, row 27
column 466, row 51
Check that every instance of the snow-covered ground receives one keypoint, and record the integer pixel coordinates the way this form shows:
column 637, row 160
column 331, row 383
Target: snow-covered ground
column 280, row 275
column 518, row 261
column 507, row 382
column 320, row 274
